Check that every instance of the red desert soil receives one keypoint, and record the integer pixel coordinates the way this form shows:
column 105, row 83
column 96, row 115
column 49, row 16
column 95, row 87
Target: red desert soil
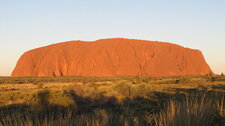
column 111, row 57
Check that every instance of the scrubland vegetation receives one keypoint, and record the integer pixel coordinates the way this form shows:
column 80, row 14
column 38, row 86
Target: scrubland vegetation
column 113, row 101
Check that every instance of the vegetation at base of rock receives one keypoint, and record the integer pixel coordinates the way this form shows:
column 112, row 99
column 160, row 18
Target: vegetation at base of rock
column 108, row 101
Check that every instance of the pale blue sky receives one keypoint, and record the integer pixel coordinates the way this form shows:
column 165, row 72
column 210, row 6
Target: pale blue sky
column 28, row 24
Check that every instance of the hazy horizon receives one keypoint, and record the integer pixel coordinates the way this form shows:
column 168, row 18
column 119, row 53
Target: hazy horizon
column 26, row 25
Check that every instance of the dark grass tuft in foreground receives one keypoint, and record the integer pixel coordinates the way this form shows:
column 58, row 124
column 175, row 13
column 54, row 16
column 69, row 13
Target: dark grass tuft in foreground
column 206, row 110
column 201, row 109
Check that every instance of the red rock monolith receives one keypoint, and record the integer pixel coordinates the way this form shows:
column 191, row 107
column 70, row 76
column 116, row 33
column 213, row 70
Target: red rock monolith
column 111, row 57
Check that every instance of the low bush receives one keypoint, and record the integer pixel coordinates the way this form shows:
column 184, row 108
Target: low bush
column 43, row 98
column 123, row 88
column 184, row 80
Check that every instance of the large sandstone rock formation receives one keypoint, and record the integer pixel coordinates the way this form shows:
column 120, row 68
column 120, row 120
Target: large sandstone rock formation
column 111, row 57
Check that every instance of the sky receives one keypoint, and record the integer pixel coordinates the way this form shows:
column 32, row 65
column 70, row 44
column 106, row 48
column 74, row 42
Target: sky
column 29, row 24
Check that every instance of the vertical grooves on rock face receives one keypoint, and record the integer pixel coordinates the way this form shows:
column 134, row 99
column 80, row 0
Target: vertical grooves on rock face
column 110, row 63
column 112, row 57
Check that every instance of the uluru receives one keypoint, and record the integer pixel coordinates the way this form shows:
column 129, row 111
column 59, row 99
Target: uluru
column 111, row 57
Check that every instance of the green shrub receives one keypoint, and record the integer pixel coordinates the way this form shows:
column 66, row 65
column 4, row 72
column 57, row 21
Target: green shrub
column 211, row 77
column 139, row 90
column 123, row 87
column 184, row 80
column 43, row 98
column 141, row 79
column 63, row 100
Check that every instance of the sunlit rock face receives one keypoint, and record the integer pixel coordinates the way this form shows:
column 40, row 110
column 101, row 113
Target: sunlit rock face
column 111, row 57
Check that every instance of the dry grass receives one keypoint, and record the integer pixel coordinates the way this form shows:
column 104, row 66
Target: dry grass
column 121, row 101
column 190, row 112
